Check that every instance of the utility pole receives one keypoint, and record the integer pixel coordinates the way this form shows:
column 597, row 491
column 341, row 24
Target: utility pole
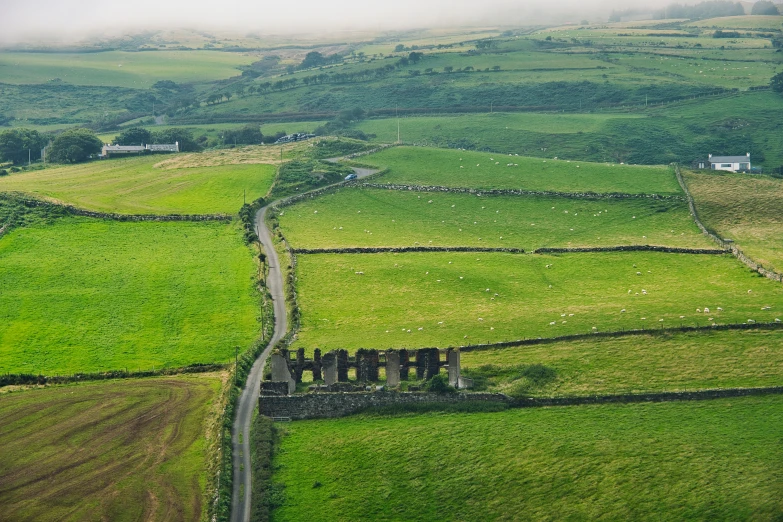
column 244, row 196
column 236, row 365
column 397, row 113
column 28, row 157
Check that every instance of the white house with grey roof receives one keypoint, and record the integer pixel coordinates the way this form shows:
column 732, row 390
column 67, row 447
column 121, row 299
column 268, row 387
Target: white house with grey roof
column 729, row 163
column 139, row 149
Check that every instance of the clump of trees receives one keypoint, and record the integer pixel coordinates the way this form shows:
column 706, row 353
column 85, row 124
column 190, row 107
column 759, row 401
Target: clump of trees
column 134, row 136
column 765, row 7
column 316, row 59
column 709, row 9
column 776, row 83
column 74, row 146
column 16, row 145
column 142, row 136
column 247, row 135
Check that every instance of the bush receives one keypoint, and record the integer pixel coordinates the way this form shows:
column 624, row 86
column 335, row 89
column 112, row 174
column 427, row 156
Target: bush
column 3, row 172
column 440, row 384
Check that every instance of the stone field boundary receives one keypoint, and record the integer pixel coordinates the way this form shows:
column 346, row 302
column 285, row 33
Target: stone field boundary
column 333, row 405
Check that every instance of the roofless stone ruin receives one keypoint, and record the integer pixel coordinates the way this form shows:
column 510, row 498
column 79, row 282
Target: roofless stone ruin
column 334, row 367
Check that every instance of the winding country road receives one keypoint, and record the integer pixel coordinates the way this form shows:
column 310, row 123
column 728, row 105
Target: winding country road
column 241, row 491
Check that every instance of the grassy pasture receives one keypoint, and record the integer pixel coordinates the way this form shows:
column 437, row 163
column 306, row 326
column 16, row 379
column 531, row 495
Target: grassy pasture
column 130, row 450
column 754, row 22
column 745, row 208
column 120, row 69
column 86, row 295
column 669, row 461
column 701, row 360
column 723, row 74
column 449, row 299
column 489, row 128
column 370, row 217
column 137, row 186
column 484, row 170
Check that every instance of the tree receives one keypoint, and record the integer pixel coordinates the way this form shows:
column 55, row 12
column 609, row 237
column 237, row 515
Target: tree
column 15, row 144
column 776, row 83
column 415, row 57
column 448, row 68
column 764, row 7
column 399, row 48
column 73, row 146
column 134, row 136
column 247, row 135
column 176, row 135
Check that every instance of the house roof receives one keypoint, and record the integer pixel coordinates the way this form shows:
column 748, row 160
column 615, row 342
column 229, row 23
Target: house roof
column 730, row 159
column 164, row 147
column 123, row 148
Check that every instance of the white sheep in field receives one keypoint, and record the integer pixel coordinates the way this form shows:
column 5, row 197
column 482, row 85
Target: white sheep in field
column 706, row 310
column 751, row 321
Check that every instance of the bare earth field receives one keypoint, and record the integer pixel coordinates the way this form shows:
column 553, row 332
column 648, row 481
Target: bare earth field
column 119, row 450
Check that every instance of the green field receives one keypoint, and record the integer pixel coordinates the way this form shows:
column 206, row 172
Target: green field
column 492, row 128
column 755, row 22
column 136, row 186
column 131, row 450
column 86, row 295
column 371, row 217
column 712, row 460
column 120, row 69
column 483, row 170
column 449, row 299
column 745, row 208
column 681, row 361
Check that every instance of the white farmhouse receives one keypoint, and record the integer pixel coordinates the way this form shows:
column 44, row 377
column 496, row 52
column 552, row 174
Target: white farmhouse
column 729, row 163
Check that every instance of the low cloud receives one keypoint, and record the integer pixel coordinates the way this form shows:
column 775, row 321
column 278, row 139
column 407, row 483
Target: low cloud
column 26, row 20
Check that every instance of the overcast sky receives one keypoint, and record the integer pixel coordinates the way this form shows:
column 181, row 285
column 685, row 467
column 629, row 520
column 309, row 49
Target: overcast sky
column 26, row 19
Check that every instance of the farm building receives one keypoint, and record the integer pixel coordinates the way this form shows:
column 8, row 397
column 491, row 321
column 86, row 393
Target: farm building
column 728, row 163
column 139, row 149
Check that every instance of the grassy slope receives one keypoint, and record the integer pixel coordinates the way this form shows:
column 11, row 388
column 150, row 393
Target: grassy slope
column 85, row 295
column 127, row 450
column 401, row 292
column 119, row 68
column 367, row 217
column 637, row 363
column 716, row 460
column 486, row 170
column 745, row 208
column 135, row 186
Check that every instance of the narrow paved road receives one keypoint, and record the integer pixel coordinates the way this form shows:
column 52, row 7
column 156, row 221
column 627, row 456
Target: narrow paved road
column 241, row 493
column 240, row 501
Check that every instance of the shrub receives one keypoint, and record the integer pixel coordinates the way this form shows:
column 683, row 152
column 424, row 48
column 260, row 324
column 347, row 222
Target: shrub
column 440, row 384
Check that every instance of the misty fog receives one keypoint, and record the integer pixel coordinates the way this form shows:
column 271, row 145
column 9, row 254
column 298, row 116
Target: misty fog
column 27, row 20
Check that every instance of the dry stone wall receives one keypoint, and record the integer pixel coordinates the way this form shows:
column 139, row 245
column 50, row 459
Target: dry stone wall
column 330, row 405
